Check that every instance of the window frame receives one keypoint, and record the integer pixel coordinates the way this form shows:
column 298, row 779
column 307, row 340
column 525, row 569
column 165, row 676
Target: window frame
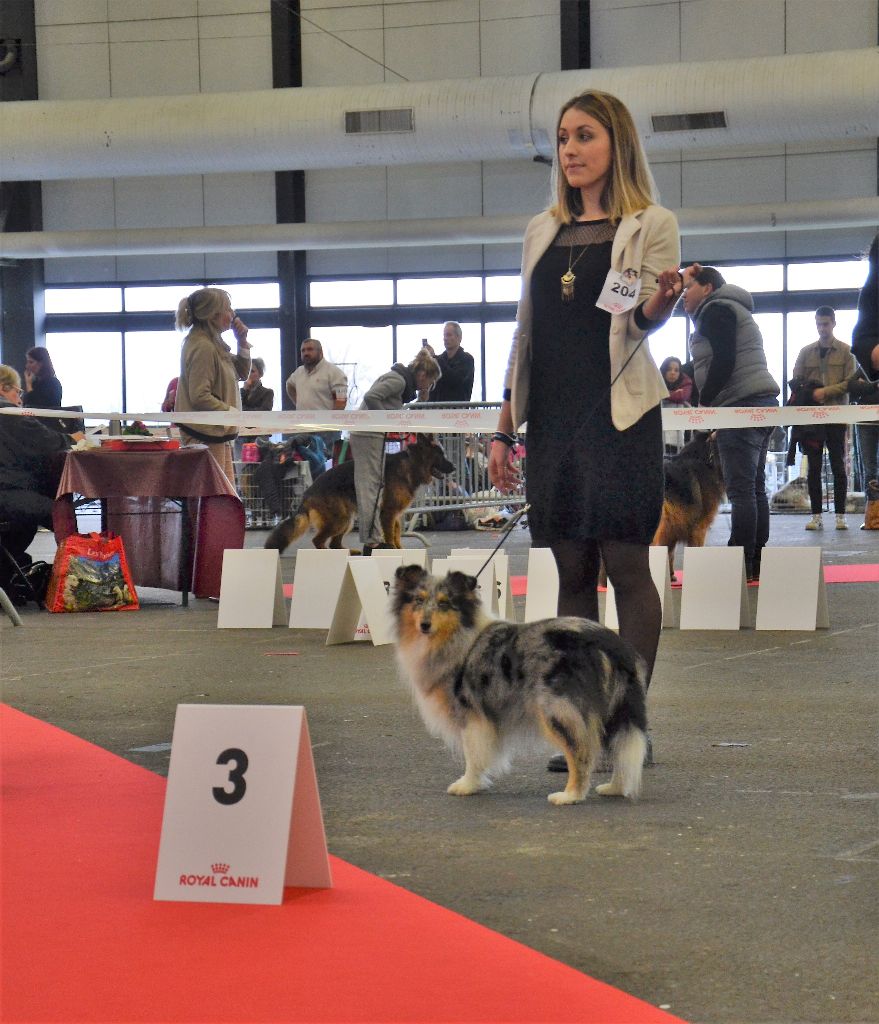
column 396, row 314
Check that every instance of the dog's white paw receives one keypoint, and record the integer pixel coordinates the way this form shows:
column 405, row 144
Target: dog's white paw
column 464, row 787
column 564, row 797
column 610, row 789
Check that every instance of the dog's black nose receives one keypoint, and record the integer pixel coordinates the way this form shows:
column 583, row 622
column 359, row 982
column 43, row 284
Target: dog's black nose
column 425, row 625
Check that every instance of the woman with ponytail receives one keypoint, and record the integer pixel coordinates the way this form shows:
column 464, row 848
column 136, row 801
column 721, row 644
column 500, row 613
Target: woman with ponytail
column 209, row 372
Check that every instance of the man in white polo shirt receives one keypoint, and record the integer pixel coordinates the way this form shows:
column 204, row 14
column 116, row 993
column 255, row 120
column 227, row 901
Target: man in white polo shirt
column 318, row 384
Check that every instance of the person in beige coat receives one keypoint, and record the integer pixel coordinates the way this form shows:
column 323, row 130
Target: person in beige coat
column 600, row 269
column 209, row 372
column 829, row 363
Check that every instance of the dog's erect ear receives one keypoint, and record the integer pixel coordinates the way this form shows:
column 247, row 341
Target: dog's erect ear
column 460, row 582
column 409, row 576
column 425, row 438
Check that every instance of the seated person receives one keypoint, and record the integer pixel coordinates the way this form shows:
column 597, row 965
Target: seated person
column 30, row 466
column 680, row 386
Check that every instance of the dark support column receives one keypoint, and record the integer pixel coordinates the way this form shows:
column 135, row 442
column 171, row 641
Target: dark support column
column 575, row 27
column 289, row 193
column 21, row 281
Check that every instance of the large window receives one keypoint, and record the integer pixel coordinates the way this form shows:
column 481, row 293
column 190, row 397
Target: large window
column 352, row 293
column 89, row 366
column 127, row 368
column 772, row 328
column 83, row 300
column 801, row 332
column 115, row 346
column 152, row 359
column 498, row 337
column 410, row 338
column 364, row 353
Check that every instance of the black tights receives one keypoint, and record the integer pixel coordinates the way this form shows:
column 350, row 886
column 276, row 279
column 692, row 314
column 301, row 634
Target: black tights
column 628, row 569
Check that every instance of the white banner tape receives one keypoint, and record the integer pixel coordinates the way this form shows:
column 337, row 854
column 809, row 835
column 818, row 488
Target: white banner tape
column 420, row 419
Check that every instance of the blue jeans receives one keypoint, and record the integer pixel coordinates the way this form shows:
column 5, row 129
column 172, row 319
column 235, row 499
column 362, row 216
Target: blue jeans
column 743, row 462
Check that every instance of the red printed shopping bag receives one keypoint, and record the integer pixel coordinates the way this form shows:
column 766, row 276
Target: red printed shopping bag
column 91, row 574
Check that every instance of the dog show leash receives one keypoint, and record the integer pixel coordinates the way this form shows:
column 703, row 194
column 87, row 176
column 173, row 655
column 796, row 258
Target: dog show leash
column 518, row 515
column 507, row 530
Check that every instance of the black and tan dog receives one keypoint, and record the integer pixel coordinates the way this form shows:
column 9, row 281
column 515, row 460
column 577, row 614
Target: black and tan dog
column 489, row 687
column 330, row 504
column 693, row 492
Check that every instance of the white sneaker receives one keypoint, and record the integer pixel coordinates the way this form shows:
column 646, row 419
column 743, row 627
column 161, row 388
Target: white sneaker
column 841, row 524
column 815, row 523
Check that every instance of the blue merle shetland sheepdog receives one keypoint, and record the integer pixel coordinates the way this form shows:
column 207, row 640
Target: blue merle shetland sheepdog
column 489, row 687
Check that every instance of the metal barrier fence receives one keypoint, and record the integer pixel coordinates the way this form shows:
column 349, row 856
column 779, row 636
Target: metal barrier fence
column 268, row 501
column 468, row 489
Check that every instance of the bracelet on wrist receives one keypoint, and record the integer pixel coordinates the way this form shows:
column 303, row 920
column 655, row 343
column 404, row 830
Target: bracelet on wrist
column 508, row 439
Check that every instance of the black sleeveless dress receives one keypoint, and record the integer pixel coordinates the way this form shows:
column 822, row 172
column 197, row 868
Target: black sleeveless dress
column 586, row 480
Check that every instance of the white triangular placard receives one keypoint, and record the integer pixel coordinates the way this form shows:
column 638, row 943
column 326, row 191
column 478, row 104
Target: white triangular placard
column 662, row 582
column 317, row 580
column 242, row 815
column 792, row 592
column 388, row 563
column 714, row 594
column 251, row 592
column 501, row 562
column 308, row 863
column 471, row 565
column 363, row 591
column 542, row 594
column 408, row 556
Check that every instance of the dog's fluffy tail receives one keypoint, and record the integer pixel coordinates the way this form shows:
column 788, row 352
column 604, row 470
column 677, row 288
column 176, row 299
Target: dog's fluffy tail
column 628, row 748
column 288, row 530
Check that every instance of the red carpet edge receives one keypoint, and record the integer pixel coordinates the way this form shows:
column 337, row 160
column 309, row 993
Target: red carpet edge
column 84, row 941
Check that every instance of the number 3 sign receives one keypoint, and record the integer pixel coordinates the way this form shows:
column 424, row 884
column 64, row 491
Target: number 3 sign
column 242, row 812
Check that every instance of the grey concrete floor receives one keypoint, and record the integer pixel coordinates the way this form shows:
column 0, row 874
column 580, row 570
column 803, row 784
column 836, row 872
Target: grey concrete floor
column 742, row 887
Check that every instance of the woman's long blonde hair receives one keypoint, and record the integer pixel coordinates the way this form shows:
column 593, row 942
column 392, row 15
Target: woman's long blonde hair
column 426, row 362
column 630, row 186
column 199, row 308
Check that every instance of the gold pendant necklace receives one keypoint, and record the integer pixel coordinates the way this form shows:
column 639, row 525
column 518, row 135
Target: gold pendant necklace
column 569, row 277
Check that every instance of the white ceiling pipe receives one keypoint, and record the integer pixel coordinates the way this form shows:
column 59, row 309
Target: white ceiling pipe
column 802, row 216
column 772, row 100
column 767, row 100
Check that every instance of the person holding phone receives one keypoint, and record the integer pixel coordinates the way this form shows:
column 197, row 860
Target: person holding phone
column 42, row 389
column 209, row 372
column 458, row 367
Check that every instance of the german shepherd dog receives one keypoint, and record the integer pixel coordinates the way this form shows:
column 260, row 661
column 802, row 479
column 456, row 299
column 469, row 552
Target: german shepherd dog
column 330, row 504
column 489, row 687
column 693, row 492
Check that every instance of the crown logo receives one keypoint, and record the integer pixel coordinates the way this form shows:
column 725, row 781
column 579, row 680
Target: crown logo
column 219, row 869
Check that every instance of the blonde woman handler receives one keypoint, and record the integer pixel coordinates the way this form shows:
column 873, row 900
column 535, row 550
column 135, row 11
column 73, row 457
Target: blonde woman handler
column 209, row 372
column 599, row 271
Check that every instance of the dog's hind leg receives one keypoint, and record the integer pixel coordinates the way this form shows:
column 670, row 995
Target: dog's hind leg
column 480, row 742
column 627, row 748
column 580, row 742
column 665, row 537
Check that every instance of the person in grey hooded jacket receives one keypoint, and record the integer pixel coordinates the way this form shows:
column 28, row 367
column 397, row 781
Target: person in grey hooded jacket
column 729, row 366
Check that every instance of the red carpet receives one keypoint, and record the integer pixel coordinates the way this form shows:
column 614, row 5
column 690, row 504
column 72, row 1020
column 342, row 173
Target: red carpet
column 83, row 939
column 868, row 573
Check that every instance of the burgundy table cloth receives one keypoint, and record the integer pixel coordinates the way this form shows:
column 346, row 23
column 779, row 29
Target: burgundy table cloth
column 135, row 488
